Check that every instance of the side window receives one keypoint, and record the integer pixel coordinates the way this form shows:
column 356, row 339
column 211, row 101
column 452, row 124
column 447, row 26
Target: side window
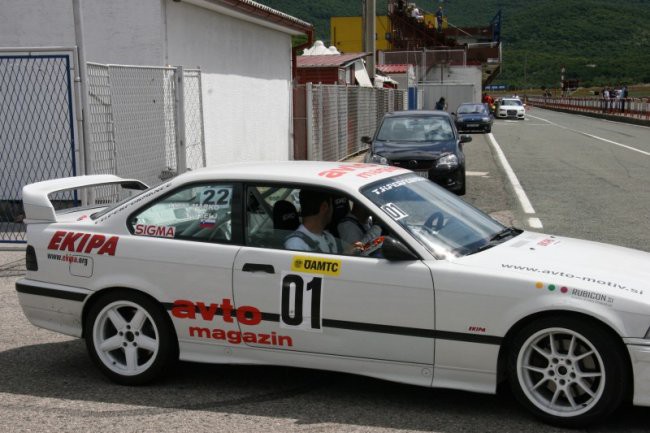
column 199, row 212
column 272, row 214
column 295, row 219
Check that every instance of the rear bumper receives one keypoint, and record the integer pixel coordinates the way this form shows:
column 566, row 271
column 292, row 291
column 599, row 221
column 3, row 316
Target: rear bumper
column 52, row 306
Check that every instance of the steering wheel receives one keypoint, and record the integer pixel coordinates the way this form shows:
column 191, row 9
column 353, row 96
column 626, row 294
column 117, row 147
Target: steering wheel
column 435, row 222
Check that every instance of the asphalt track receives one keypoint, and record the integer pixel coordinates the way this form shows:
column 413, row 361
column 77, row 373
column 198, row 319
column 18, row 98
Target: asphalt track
column 582, row 180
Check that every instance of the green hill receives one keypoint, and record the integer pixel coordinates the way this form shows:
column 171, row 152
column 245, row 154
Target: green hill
column 599, row 42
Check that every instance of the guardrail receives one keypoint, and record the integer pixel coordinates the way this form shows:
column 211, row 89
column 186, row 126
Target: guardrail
column 623, row 108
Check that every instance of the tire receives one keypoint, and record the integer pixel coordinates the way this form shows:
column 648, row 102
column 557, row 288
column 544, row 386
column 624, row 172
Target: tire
column 463, row 188
column 129, row 337
column 488, row 129
column 582, row 380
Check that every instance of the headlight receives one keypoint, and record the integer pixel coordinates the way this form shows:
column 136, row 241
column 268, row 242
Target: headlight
column 485, row 119
column 447, row 161
column 378, row 159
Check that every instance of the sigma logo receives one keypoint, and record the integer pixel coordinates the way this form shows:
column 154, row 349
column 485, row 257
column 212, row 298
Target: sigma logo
column 476, row 329
column 158, row 231
column 83, row 242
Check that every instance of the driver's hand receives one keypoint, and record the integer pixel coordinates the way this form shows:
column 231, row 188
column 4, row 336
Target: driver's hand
column 373, row 232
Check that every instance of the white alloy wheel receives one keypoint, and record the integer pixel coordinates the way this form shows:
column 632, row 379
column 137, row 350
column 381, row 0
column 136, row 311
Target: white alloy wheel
column 126, row 338
column 561, row 372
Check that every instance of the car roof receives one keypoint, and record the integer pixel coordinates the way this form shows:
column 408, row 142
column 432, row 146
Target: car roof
column 410, row 113
column 339, row 175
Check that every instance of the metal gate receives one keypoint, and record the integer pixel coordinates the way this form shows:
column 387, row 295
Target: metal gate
column 144, row 122
column 37, row 128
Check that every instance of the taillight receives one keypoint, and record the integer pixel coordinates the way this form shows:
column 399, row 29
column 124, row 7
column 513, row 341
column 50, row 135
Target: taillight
column 30, row 259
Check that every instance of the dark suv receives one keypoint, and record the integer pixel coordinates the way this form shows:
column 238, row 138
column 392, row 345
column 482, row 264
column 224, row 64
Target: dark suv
column 426, row 142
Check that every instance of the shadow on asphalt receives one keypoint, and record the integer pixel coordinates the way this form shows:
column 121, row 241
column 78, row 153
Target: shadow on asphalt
column 64, row 371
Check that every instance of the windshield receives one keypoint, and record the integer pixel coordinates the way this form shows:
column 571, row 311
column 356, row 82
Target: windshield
column 415, row 129
column 471, row 109
column 511, row 102
column 438, row 219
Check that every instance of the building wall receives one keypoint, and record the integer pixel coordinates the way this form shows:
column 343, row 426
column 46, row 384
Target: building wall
column 246, row 68
column 117, row 31
column 246, row 72
column 346, row 33
column 459, row 84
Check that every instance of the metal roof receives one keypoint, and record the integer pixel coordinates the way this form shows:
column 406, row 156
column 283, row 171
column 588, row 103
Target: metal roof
column 328, row 60
column 257, row 11
column 394, row 69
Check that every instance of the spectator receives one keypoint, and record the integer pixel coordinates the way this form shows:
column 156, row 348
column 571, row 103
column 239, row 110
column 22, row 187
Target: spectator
column 625, row 95
column 439, row 18
column 605, row 99
column 441, row 105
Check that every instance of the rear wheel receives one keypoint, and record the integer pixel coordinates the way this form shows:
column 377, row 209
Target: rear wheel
column 567, row 371
column 129, row 338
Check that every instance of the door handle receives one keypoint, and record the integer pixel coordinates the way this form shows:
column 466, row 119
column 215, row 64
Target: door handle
column 257, row 267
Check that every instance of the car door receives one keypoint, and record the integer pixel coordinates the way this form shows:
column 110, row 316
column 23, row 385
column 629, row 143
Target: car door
column 329, row 304
column 181, row 251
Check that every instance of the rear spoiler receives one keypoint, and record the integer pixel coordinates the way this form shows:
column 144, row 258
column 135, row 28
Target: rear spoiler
column 39, row 208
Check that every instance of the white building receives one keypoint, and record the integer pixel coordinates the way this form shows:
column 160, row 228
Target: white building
column 242, row 48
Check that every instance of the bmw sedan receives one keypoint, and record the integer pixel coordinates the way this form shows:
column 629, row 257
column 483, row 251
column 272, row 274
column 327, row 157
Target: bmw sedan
column 200, row 269
column 425, row 142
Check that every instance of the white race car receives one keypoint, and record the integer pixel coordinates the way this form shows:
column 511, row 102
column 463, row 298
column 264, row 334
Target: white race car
column 510, row 107
column 197, row 269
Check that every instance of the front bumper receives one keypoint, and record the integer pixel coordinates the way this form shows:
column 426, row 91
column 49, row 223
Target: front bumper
column 513, row 114
column 639, row 351
column 52, row 306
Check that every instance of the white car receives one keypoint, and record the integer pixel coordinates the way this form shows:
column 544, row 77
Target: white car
column 510, row 108
column 196, row 269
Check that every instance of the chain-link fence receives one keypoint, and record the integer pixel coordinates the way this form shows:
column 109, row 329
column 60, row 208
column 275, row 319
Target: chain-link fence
column 134, row 122
column 37, row 139
column 138, row 118
column 338, row 116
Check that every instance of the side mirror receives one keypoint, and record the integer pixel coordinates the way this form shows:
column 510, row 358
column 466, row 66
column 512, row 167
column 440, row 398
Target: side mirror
column 453, row 114
column 465, row 138
column 394, row 250
column 366, row 139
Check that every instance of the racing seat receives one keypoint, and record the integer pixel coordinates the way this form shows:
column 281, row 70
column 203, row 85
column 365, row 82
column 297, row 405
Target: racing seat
column 341, row 207
column 285, row 221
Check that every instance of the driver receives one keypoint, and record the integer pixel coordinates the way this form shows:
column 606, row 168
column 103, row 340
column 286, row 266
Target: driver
column 316, row 210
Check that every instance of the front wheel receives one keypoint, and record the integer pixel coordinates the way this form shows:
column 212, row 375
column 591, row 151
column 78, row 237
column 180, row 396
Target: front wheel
column 567, row 371
column 129, row 338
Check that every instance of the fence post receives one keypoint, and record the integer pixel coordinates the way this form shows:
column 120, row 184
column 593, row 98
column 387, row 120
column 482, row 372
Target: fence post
column 179, row 120
column 309, row 120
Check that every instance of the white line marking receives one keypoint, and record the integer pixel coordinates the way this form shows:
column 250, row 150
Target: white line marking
column 535, row 223
column 595, row 136
column 477, row 173
column 512, row 177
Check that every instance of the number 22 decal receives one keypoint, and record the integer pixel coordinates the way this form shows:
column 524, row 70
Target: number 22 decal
column 301, row 302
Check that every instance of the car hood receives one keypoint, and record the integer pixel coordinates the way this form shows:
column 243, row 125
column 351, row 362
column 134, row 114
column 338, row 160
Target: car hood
column 565, row 264
column 413, row 150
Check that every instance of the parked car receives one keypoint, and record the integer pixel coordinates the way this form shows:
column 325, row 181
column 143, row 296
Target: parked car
column 426, row 142
column 197, row 269
column 473, row 117
column 510, row 108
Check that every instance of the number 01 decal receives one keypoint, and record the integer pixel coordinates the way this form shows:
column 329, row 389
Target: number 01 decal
column 301, row 305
